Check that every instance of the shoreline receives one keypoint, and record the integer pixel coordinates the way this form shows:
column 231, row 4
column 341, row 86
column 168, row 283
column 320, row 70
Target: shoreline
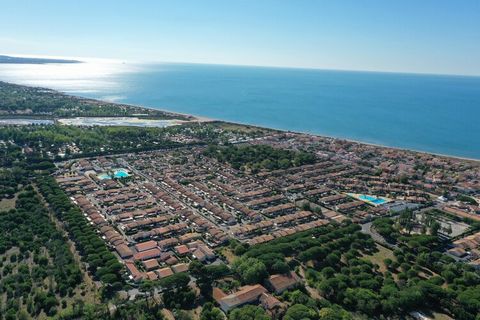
column 358, row 142
column 206, row 119
column 203, row 119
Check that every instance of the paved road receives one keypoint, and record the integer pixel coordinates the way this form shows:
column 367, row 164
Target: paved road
column 367, row 228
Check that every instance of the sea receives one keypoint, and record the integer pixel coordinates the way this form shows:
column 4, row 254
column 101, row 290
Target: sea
column 431, row 113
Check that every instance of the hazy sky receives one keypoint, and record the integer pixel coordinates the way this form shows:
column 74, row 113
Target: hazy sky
column 433, row 36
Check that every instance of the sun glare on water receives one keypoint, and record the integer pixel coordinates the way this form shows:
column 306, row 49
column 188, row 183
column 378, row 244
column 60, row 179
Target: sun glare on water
column 88, row 76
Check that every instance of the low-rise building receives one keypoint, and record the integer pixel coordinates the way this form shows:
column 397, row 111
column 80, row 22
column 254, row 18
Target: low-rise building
column 282, row 282
column 246, row 294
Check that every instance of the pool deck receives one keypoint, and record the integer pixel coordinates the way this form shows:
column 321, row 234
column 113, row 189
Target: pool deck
column 364, row 198
column 117, row 173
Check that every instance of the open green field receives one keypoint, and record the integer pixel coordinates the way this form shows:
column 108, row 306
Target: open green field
column 378, row 257
column 7, row 204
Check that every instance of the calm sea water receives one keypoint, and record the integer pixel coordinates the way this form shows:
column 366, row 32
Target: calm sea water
column 439, row 114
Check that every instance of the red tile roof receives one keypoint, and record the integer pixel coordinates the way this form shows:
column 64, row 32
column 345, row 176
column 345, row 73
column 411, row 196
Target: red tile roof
column 143, row 246
column 282, row 282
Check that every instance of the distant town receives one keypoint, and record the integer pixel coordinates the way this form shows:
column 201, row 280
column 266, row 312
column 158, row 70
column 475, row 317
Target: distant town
column 203, row 219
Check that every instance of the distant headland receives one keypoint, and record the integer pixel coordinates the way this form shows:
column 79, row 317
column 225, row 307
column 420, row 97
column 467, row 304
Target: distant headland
column 25, row 60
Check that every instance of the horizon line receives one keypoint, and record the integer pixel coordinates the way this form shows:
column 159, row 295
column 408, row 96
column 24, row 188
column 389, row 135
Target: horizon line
column 146, row 61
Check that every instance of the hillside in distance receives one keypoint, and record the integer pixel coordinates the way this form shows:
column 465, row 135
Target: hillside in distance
column 23, row 60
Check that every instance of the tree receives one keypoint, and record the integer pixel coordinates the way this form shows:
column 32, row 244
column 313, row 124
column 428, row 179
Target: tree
column 205, row 275
column 384, row 226
column 248, row 312
column 259, row 157
column 330, row 313
column 280, row 267
column 407, row 220
column 328, row 272
column 175, row 281
column 300, row 312
column 364, row 300
column 332, row 259
column 209, row 312
column 298, row 297
column 314, row 253
column 387, row 262
column 182, row 315
column 240, row 249
column 197, row 269
column 23, row 315
column 250, row 270
column 217, row 271
column 434, row 228
column 470, row 299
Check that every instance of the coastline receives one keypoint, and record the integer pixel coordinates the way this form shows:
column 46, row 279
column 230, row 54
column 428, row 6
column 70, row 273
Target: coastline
column 206, row 119
column 359, row 142
column 203, row 119
column 196, row 118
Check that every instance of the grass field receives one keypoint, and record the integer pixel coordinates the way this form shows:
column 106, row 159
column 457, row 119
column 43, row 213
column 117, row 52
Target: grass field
column 378, row 257
column 229, row 255
column 7, row 204
column 238, row 127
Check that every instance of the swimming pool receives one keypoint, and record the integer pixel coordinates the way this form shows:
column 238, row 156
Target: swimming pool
column 372, row 199
column 117, row 174
column 120, row 173
column 104, row 176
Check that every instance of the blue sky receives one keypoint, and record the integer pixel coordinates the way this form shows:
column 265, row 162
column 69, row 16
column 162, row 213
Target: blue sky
column 431, row 36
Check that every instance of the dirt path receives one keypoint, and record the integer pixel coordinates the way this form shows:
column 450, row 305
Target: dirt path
column 312, row 291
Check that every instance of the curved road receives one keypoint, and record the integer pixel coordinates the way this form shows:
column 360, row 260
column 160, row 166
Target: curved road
column 367, row 228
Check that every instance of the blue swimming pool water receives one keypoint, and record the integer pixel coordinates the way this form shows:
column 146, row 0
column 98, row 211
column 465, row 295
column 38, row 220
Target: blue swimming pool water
column 378, row 201
column 120, row 174
column 371, row 199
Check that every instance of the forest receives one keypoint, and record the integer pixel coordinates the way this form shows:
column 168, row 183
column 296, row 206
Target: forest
column 337, row 262
column 259, row 157
column 18, row 100
column 102, row 264
column 51, row 140
column 38, row 271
